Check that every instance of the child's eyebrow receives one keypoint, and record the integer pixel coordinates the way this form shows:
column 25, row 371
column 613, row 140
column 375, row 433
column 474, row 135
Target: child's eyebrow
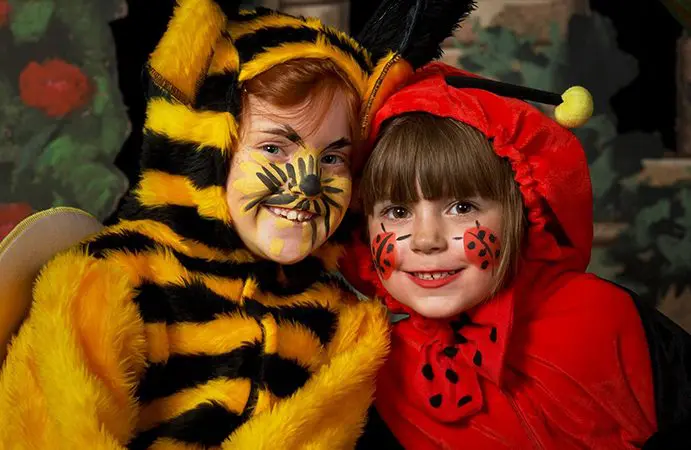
column 287, row 132
column 338, row 144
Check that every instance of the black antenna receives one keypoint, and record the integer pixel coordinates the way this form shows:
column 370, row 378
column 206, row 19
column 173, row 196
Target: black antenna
column 505, row 89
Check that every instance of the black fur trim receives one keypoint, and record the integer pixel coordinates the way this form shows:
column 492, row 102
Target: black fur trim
column 220, row 93
column 250, row 45
column 205, row 167
column 413, row 28
column 209, row 424
column 186, row 222
column 185, row 371
column 319, row 320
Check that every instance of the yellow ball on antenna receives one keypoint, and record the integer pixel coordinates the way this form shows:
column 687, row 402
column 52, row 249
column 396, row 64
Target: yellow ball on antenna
column 576, row 108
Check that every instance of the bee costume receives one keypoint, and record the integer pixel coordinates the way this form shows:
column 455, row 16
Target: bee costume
column 163, row 330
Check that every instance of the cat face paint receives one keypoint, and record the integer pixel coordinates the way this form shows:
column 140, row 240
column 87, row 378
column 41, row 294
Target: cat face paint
column 290, row 184
column 441, row 252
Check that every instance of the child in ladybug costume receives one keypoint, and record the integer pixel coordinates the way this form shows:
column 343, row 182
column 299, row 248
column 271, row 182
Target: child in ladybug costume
column 479, row 232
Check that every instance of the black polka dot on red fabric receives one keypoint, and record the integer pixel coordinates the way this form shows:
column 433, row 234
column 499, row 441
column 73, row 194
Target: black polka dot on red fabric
column 477, row 359
column 493, row 334
column 435, row 401
column 465, row 400
column 464, row 319
column 484, row 265
column 481, row 234
column 427, row 372
column 471, row 245
column 460, row 339
column 456, row 325
column 451, row 376
column 450, row 351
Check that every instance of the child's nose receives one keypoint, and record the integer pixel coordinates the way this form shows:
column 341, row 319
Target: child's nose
column 428, row 236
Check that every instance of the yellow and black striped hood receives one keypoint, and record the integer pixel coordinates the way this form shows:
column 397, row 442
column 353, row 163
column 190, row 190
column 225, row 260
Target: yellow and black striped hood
column 195, row 78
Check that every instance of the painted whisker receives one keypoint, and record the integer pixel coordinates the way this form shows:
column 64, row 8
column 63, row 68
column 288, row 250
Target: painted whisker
column 273, row 188
column 291, row 173
column 317, row 208
column 281, row 199
column 328, row 199
column 271, row 176
column 332, row 190
column 327, row 213
column 279, row 171
column 403, row 238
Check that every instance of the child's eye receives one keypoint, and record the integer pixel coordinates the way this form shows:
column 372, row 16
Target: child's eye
column 462, row 208
column 396, row 213
column 271, row 149
column 332, row 159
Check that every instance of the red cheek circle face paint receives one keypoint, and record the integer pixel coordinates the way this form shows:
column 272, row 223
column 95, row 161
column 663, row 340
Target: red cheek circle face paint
column 384, row 253
column 482, row 247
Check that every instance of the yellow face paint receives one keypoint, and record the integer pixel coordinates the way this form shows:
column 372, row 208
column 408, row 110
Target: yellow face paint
column 276, row 246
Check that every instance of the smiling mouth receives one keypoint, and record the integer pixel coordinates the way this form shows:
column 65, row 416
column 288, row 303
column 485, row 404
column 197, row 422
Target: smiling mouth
column 434, row 275
column 292, row 214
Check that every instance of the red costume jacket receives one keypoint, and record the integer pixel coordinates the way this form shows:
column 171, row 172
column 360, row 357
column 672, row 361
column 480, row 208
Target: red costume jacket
column 557, row 360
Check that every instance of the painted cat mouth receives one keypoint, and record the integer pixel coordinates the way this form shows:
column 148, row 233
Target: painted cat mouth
column 292, row 214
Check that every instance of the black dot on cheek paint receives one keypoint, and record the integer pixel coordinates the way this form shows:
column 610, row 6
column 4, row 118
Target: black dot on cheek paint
column 492, row 238
column 496, row 254
column 483, row 252
column 378, row 239
column 451, row 376
column 481, row 234
column 435, row 401
column 465, row 400
column 471, row 245
column 477, row 359
column 484, row 265
column 387, row 263
column 427, row 372
column 389, row 248
column 493, row 335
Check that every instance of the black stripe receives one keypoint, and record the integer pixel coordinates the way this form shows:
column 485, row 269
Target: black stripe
column 357, row 54
column 185, row 371
column 319, row 320
column 279, row 375
column 193, row 302
column 186, row 222
column 208, row 424
column 204, row 167
column 250, row 45
column 220, row 93
column 124, row 241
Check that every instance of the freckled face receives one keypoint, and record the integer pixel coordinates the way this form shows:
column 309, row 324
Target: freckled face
column 290, row 181
column 437, row 256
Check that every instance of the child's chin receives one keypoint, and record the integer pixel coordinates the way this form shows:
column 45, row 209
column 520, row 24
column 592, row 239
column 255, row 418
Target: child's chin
column 442, row 307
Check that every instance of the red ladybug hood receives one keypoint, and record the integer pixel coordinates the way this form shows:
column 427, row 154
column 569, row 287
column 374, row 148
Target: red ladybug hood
column 548, row 161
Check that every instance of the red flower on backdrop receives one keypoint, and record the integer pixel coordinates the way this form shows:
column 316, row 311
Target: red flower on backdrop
column 4, row 12
column 11, row 214
column 55, row 87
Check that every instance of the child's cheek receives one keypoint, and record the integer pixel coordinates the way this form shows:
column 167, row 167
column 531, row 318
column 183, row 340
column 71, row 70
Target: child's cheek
column 385, row 253
column 482, row 247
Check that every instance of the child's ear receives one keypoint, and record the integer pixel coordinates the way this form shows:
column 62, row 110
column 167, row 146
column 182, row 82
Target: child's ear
column 355, row 200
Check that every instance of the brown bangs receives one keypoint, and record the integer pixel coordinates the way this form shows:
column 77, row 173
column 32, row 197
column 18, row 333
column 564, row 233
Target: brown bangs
column 309, row 83
column 447, row 158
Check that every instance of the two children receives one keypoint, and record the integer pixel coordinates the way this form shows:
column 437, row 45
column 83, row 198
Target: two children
column 479, row 232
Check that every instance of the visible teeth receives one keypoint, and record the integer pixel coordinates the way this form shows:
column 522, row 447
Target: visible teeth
column 433, row 275
column 291, row 214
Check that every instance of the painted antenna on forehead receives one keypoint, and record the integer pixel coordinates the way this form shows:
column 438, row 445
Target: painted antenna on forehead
column 573, row 108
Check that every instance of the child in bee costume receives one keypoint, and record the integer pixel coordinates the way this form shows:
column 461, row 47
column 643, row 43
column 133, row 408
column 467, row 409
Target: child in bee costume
column 207, row 316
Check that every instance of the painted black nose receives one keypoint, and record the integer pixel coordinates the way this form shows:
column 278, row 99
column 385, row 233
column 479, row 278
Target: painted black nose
column 310, row 185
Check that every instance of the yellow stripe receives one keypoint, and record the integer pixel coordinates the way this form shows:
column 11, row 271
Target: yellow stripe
column 233, row 394
column 183, row 52
column 157, row 342
column 159, row 189
column 300, row 344
column 319, row 50
column 181, row 123
column 219, row 336
column 225, row 58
